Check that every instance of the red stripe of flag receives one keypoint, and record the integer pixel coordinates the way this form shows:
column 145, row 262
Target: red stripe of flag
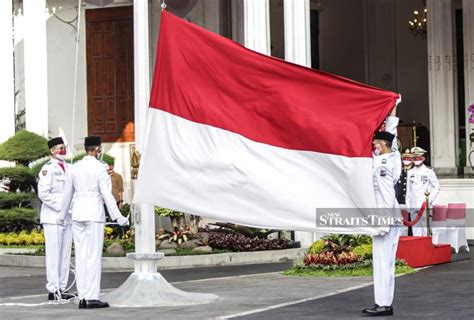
column 214, row 81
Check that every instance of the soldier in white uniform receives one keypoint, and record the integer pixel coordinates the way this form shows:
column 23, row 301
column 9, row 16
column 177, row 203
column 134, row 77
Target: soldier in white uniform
column 57, row 237
column 420, row 179
column 386, row 171
column 90, row 184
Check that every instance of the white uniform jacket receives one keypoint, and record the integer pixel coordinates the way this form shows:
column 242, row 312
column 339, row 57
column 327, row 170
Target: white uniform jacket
column 90, row 185
column 419, row 180
column 386, row 171
column 51, row 183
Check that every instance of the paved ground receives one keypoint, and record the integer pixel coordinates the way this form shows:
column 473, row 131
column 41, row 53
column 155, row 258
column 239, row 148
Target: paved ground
column 261, row 292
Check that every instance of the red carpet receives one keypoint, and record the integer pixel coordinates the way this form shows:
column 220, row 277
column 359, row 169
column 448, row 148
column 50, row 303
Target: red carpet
column 420, row 252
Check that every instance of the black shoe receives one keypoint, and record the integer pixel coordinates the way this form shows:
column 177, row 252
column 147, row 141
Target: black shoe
column 67, row 295
column 63, row 295
column 53, row 295
column 92, row 304
column 377, row 310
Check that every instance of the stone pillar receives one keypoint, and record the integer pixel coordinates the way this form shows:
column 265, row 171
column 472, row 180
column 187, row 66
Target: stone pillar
column 298, row 50
column 36, row 67
column 257, row 25
column 441, row 86
column 468, row 34
column 7, row 80
column 297, row 32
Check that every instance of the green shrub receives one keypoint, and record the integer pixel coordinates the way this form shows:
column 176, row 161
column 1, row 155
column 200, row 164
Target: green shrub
column 24, row 147
column 15, row 199
column 163, row 212
column 364, row 251
column 107, row 158
column 317, row 247
column 20, row 178
column 18, row 219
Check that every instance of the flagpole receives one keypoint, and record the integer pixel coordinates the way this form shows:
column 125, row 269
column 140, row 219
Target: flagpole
column 145, row 287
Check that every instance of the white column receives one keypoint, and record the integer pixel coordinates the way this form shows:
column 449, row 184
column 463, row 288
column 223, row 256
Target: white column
column 7, row 84
column 145, row 216
column 441, row 86
column 36, row 67
column 468, row 34
column 297, row 32
column 257, row 25
column 298, row 50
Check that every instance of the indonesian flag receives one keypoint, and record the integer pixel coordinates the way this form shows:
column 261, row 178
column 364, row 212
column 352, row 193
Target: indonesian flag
column 242, row 137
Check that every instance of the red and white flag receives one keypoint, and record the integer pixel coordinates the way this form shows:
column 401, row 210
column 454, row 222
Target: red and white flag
column 242, row 137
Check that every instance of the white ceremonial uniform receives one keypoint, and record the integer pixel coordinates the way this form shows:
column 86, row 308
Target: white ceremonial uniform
column 90, row 184
column 386, row 171
column 419, row 180
column 58, row 238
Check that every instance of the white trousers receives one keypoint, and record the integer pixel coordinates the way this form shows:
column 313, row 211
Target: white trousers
column 384, row 250
column 88, row 243
column 58, row 239
column 419, row 229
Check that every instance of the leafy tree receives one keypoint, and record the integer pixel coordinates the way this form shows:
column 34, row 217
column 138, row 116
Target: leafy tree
column 24, row 147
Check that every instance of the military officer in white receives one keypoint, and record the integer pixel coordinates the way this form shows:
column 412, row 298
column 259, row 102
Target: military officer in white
column 57, row 237
column 90, row 185
column 386, row 171
column 420, row 180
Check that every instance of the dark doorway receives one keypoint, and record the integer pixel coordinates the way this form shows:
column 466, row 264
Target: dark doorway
column 109, row 45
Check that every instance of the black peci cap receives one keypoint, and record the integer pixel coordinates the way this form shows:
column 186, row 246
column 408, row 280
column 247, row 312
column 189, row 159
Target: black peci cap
column 92, row 141
column 55, row 141
column 384, row 135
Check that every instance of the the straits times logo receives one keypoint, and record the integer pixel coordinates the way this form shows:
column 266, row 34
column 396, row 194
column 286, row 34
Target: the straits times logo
column 357, row 217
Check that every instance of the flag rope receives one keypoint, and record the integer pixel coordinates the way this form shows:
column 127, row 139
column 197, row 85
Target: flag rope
column 417, row 218
column 74, row 91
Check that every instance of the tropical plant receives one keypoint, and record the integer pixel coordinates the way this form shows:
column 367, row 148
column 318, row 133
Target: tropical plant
column 176, row 235
column 364, row 251
column 330, row 258
column 164, row 212
column 317, row 246
column 244, row 230
column 239, row 242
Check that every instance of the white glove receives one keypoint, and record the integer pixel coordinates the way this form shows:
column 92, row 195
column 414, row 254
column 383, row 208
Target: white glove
column 122, row 221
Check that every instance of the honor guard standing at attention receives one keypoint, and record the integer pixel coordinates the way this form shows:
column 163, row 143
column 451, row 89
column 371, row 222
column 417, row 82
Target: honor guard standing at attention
column 386, row 171
column 89, row 183
column 401, row 187
column 421, row 179
column 58, row 237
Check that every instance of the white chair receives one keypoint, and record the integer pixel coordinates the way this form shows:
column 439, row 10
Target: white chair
column 456, row 226
column 438, row 223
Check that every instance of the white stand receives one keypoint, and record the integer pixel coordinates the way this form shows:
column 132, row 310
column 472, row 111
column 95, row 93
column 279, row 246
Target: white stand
column 148, row 288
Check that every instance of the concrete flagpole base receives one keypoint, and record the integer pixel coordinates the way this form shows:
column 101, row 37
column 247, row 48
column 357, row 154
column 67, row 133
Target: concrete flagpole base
column 147, row 288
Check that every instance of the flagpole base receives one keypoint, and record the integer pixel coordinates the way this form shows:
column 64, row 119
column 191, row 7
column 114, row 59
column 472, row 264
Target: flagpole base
column 148, row 288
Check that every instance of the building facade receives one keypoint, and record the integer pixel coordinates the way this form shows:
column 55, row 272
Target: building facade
column 77, row 71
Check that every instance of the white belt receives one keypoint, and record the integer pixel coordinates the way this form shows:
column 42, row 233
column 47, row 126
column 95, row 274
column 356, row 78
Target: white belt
column 91, row 194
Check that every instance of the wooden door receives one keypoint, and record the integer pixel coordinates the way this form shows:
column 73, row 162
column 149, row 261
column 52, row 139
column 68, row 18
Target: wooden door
column 109, row 45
